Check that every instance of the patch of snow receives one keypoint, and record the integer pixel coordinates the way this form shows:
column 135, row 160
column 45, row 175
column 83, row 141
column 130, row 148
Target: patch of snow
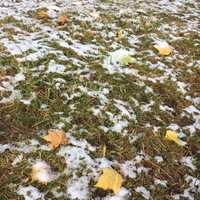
column 75, row 157
column 55, row 68
column 30, row 193
column 188, row 161
column 192, row 110
column 119, row 126
column 42, row 172
column 19, row 77
column 160, row 182
column 143, row 191
column 18, row 159
column 129, row 169
column 4, row 147
column 79, row 188
column 123, row 194
column 158, row 159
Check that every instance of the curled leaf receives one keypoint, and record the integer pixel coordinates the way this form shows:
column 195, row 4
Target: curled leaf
column 163, row 48
column 55, row 138
column 110, row 179
column 171, row 135
column 62, row 20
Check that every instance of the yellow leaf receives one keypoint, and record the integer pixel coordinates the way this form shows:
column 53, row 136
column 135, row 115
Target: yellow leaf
column 171, row 135
column 55, row 138
column 41, row 14
column 163, row 48
column 62, row 20
column 110, row 179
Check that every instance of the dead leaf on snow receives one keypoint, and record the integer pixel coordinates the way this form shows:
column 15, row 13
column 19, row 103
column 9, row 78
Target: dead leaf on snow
column 163, row 48
column 55, row 138
column 172, row 136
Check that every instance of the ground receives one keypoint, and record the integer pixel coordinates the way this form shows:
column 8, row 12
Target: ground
column 57, row 77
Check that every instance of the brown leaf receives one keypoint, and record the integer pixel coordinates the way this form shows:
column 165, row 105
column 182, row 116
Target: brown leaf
column 42, row 14
column 62, row 20
column 55, row 138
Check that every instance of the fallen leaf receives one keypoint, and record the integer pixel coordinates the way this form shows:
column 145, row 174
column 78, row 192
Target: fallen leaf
column 163, row 48
column 171, row 135
column 42, row 14
column 121, row 57
column 62, row 20
column 110, row 179
column 120, row 35
column 55, row 138
column 42, row 173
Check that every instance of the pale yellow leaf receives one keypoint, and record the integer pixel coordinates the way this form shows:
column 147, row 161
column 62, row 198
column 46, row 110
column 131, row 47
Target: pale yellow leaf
column 55, row 138
column 163, row 48
column 110, row 179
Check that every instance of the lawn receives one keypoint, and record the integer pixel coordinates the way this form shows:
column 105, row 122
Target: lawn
column 61, row 70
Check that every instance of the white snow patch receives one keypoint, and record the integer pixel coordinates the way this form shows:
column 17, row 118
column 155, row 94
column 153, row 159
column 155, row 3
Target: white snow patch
column 4, row 147
column 75, row 156
column 78, row 189
column 143, row 191
column 160, row 182
column 129, row 169
column 55, row 68
column 158, row 159
column 18, row 159
column 188, row 161
column 30, row 193
column 121, row 195
column 43, row 173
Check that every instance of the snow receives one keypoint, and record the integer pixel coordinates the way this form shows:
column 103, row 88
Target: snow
column 78, row 189
column 188, row 161
column 119, row 126
column 18, row 159
column 19, row 77
column 75, row 156
column 4, row 147
column 30, row 193
column 158, row 159
column 53, row 67
column 192, row 110
column 97, row 69
column 129, row 169
column 160, row 182
column 161, row 44
column 143, row 191
column 121, row 195
column 42, row 172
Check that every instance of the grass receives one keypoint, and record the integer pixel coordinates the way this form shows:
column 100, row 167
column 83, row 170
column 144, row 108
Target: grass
column 19, row 122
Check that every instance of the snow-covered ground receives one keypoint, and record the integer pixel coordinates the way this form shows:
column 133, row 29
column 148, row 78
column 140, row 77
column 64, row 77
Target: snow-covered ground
column 71, row 77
